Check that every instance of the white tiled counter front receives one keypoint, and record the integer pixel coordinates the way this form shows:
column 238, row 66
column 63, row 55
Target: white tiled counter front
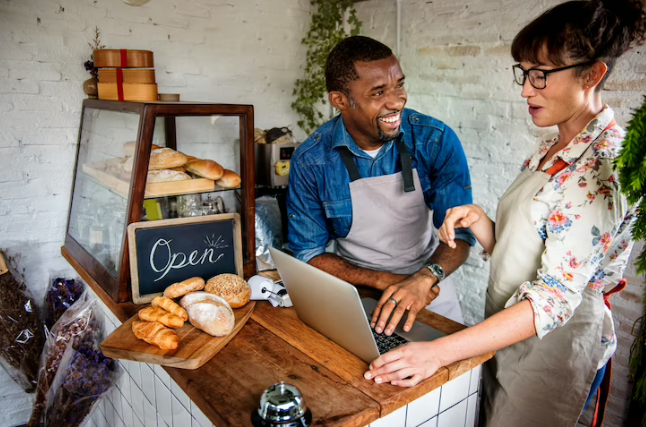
column 455, row 404
column 144, row 396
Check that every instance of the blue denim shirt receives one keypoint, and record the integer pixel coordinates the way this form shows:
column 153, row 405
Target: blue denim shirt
column 319, row 205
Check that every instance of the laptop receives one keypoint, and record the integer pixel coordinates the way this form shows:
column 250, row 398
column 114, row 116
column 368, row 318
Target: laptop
column 333, row 307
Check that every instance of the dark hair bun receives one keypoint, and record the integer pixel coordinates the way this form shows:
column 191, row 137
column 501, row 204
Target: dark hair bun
column 625, row 20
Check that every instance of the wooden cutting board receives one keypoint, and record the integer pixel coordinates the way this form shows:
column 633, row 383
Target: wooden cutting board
column 195, row 347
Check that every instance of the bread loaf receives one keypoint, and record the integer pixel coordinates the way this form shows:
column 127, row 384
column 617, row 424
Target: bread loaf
column 209, row 313
column 233, row 289
column 168, row 305
column 166, row 175
column 164, row 158
column 130, row 147
column 205, row 168
column 229, row 179
column 155, row 314
column 156, row 334
column 190, row 159
column 179, row 169
column 177, row 290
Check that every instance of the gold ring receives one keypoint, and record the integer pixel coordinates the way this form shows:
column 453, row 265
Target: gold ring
column 394, row 301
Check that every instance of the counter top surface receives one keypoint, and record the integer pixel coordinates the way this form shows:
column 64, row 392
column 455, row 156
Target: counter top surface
column 276, row 346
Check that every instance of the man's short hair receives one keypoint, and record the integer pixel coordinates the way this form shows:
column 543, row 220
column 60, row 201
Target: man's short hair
column 339, row 68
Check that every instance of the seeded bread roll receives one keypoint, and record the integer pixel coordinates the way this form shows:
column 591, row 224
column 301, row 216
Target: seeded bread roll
column 165, row 158
column 229, row 179
column 177, row 290
column 209, row 313
column 205, row 168
column 166, row 175
column 231, row 287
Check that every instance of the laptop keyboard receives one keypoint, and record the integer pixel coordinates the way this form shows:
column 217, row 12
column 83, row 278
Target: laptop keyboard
column 386, row 343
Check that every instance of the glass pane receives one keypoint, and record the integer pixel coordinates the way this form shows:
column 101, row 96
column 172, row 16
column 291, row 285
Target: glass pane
column 215, row 138
column 103, row 176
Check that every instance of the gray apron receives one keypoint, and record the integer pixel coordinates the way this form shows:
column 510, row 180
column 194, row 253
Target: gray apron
column 392, row 227
column 536, row 382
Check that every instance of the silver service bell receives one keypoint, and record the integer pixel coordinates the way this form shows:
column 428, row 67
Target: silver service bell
column 282, row 405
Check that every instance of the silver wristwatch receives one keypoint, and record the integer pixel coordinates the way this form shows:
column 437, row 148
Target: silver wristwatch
column 437, row 271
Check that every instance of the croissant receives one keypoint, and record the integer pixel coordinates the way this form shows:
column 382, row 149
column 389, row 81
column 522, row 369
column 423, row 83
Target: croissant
column 154, row 314
column 168, row 305
column 156, row 334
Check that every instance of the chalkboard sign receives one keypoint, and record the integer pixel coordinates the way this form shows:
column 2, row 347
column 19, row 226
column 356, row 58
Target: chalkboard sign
column 170, row 251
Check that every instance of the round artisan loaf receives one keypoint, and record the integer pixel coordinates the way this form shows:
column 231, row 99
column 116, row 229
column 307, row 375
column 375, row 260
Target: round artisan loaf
column 229, row 179
column 205, row 168
column 209, row 313
column 231, row 287
column 166, row 175
column 177, row 290
column 165, row 158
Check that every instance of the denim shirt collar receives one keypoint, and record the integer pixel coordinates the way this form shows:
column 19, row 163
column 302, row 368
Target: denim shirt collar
column 342, row 138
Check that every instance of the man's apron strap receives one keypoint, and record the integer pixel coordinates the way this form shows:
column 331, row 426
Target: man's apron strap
column 407, row 165
column 404, row 157
column 350, row 165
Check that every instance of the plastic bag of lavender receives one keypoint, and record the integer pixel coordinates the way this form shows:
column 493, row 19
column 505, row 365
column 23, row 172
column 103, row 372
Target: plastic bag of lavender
column 61, row 294
column 83, row 377
column 80, row 327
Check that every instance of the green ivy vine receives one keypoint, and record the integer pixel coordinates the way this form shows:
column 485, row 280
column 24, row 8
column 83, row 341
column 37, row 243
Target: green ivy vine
column 326, row 30
column 631, row 165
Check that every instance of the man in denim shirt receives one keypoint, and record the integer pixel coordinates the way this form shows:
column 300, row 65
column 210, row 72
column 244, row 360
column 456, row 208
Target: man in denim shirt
column 377, row 178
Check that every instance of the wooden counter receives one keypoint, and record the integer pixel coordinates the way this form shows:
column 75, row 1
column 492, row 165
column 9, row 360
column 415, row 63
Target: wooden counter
column 276, row 346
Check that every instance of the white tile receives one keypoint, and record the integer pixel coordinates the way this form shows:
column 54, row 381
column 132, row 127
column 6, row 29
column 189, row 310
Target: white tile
column 453, row 417
column 472, row 410
column 161, row 422
column 109, row 414
column 180, row 395
column 137, row 401
column 163, row 401
column 475, row 379
column 123, row 383
column 136, row 422
column 195, row 423
column 88, row 423
column 135, row 372
column 126, row 411
column 455, row 391
column 424, row 408
column 150, row 414
column 118, row 422
column 430, row 423
column 394, row 419
column 99, row 420
column 148, row 383
column 109, row 327
column 181, row 417
column 116, row 401
column 202, row 419
column 163, row 375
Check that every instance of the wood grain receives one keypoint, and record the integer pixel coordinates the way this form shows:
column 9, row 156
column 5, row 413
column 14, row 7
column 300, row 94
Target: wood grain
column 195, row 347
column 111, row 58
column 228, row 388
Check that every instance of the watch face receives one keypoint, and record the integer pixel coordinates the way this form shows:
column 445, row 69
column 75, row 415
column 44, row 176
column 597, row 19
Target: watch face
column 437, row 270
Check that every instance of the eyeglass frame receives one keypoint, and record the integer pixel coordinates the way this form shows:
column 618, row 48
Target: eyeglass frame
column 545, row 73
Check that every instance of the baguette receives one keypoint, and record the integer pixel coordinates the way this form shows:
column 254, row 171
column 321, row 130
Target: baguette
column 166, row 175
column 156, row 334
column 130, row 147
column 164, row 158
column 206, row 168
column 170, row 306
column 229, row 179
column 177, row 290
column 154, row 314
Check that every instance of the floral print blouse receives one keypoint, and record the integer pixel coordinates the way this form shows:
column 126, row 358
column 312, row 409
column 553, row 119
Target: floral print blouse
column 585, row 223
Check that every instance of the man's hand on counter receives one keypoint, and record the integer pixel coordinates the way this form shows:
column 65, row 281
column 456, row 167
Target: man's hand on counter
column 410, row 295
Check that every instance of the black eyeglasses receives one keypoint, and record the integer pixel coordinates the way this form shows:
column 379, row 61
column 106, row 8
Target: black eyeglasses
column 538, row 78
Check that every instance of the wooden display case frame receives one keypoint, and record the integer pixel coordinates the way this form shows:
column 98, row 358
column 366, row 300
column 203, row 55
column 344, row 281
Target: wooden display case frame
column 119, row 288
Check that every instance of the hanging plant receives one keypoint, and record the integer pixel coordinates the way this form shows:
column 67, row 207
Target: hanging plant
column 631, row 165
column 326, row 30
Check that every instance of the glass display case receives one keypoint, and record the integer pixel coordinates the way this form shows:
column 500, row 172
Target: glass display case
column 136, row 162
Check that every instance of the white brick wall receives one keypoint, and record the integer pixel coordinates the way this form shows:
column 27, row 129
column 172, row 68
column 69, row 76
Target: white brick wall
column 456, row 56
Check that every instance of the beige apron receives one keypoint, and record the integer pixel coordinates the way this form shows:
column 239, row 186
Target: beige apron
column 536, row 382
column 392, row 227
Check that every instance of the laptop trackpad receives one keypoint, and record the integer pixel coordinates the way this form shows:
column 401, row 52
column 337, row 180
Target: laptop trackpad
column 419, row 331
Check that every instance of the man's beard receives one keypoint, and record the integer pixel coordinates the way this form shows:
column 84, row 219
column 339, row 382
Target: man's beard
column 385, row 138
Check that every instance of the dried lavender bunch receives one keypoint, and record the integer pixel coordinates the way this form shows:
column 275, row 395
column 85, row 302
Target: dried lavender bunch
column 61, row 294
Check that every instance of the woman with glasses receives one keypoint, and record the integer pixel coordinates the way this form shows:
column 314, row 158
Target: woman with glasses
column 561, row 235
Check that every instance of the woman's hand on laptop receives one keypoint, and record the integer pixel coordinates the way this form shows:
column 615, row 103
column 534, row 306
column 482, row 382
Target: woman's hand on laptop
column 405, row 366
column 412, row 294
